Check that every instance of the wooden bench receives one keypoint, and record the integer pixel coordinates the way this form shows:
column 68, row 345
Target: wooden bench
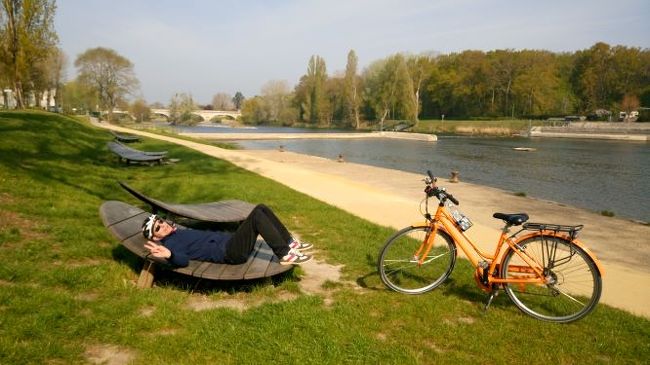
column 124, row 221
column 216, row 212
column 148, row 153
column 129, row 154
column 126, row 138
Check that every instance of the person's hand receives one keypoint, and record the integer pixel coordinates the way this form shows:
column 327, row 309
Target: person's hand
column 157, row 250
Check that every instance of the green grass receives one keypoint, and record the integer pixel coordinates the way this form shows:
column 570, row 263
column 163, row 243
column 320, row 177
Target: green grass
column 475, row 127
column 66, row 286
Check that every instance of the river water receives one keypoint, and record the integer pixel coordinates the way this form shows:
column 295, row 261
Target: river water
column 597, row 175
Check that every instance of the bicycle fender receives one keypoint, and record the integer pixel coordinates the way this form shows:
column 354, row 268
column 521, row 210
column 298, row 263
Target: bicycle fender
column 578, row 243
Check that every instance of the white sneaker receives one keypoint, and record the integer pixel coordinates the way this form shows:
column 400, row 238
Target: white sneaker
column 294, row 257
column 302, row 246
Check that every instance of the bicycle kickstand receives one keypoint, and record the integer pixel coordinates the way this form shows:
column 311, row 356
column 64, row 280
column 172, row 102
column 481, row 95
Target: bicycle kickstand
column 493, row 294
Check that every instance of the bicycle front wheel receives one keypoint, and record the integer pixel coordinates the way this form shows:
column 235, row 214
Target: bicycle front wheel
column 572, row 282
column 400, row 267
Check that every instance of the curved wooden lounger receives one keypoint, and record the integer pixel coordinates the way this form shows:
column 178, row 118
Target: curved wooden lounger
column 124, row 221
column 127, row 138
column 217, row 212
column 147, row 153
column 129, row 154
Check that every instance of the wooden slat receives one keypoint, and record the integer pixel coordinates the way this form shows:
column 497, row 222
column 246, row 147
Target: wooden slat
column 220, row 211
column 275, row 268
column 125, row 137
column 131, row 154
column 263, row 257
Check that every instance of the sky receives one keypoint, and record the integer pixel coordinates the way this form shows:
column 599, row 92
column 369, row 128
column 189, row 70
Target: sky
column 204, row 47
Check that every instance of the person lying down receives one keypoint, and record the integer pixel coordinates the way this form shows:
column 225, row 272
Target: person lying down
column 180, row 245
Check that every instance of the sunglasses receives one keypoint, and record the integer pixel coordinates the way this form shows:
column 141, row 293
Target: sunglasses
column 158, row 225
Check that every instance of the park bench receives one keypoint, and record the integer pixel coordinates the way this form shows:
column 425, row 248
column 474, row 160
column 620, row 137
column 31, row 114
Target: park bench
column 126, row 138
column 129, row 154
column 124, row 221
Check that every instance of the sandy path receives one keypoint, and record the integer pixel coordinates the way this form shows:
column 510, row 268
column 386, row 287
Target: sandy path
column 391, row 198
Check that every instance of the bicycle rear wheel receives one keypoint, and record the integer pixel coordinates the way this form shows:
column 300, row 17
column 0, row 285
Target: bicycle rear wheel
column 573, row 283
column 400, row 269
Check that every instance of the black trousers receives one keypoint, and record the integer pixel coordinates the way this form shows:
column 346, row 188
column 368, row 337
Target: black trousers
column 261, row 221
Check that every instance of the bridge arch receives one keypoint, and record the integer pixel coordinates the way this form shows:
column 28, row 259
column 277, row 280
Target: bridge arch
column 207, row 115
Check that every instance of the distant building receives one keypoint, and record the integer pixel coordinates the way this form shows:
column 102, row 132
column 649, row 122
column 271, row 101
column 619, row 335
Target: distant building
column 47, row 100
column 628, row 117
column 7, row 99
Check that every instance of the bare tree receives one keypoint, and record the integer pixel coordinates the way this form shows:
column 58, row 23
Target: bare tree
column 109, row 74
column 276, row 95
column 222, row 101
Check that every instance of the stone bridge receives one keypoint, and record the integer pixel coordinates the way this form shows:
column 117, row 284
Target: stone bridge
column 207, row 115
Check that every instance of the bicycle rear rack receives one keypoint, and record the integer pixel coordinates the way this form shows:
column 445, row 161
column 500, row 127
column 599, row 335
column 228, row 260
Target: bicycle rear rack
column 571, row 230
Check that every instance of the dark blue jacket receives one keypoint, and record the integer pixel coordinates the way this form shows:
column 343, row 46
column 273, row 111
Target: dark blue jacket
column 192, row 244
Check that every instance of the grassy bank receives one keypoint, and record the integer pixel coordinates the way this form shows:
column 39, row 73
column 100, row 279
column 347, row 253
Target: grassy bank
column 473, row 127
column 67, row 291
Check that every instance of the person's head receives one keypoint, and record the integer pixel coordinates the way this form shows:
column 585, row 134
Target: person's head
column 155, row 228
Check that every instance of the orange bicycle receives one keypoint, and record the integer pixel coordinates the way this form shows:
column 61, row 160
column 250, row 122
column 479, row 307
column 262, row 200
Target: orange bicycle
column 543, row 268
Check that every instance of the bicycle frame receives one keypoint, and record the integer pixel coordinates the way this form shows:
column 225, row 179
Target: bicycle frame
column 534, row 271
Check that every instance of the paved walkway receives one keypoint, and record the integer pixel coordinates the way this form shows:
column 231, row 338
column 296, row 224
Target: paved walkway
column 391, row 198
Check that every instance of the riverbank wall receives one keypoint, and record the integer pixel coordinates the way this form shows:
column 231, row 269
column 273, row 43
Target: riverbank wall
column 596, row 130
column 261, row 136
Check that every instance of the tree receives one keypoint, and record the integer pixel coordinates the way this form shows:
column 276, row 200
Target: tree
column 180, row 109
column 140, row 110
column 238, row 100
column 419, row 69
column 389, row 88
column 351, row 93
column 27, row 36
column 310, row 92
column 77, row 98
column 109, row 74
column 277, row 97
column 222, row 101
column 252, row 110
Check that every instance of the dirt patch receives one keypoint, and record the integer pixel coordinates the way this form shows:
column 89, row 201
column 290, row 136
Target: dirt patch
column 318, row 275
column 463, row 320
column 147, row 311
column 432, row 345
column 109, row 355
column 238, row 302
column 87, row 297
column 80, row 263
column 17, row 228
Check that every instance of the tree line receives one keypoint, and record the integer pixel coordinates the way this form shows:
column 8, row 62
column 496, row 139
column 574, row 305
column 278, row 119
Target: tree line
column 469, row 84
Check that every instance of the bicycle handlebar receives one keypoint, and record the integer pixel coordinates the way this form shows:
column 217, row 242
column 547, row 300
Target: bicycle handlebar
column 440, row 193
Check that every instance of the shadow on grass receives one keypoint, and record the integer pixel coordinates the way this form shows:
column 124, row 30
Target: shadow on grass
column 164, row 276
column 451, row 287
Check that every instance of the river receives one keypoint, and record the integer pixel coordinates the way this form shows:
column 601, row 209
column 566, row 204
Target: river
column 597, row 175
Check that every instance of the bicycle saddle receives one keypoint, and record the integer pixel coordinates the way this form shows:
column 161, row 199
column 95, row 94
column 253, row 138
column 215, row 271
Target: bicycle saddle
column 512, row 219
